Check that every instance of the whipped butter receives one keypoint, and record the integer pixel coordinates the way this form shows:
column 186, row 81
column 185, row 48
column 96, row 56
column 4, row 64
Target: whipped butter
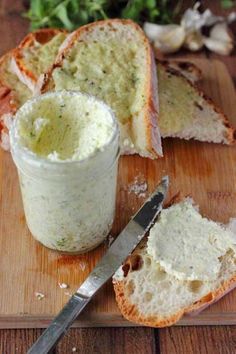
column 187, row 245
column 65, row 146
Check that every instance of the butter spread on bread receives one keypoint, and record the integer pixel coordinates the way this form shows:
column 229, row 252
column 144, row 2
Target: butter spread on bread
column 35, row 55
column 149, row 294
column 9, row 79
column 13, row 93
column 113, row 61
column 186, row 112
column 187, row 245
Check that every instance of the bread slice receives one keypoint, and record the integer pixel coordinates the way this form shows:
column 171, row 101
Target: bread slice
column 13, row 93
column 113, row 60
column 186, row 112
column 186, row 68
column 35, row 55
column 149, row 294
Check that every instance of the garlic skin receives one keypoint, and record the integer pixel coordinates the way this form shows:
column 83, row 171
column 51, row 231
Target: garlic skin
column 219, row 41
column 192, row 20
column 166, row 38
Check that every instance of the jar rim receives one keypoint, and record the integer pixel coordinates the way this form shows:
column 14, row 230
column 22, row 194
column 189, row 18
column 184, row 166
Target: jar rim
column 36, row 160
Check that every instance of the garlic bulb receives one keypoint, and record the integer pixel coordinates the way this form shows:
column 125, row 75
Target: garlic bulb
column 166, row 38
column 170, row 38
column 219, row 40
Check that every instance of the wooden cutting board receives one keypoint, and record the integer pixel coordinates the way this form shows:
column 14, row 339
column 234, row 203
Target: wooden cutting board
column 207, row 172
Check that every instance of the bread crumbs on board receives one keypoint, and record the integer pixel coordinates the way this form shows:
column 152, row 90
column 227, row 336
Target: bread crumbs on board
column 138, row 187
column 82, row 265
column 63, row 285
column 67, row 293
column 39, row 296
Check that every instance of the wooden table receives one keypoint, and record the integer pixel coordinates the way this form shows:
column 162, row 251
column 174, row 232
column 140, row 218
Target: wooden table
column 181, row 340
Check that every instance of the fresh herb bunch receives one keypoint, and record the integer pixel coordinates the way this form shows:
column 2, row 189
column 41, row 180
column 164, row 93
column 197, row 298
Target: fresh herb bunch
column 71, row 14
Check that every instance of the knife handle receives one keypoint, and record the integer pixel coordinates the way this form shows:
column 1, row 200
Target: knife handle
column 61, row 323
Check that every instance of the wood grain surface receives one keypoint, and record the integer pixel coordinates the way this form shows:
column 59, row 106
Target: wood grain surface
column 85, row 341
column 205, row 171
column 201, row 339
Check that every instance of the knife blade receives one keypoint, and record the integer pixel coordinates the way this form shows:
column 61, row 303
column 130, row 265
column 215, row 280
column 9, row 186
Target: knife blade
column 124, row 244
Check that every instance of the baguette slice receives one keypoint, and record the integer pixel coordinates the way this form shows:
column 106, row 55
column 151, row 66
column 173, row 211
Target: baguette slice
column 149, row 294
column 36, row 54
column 13, row 93
column 187, row 113
column 113, row 60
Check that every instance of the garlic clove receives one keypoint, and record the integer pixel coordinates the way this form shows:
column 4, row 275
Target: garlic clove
column 231, row 17
column 154, row 31
column 220, row 40
column 194, row 41
column 218, row 46
column 220, row 31
column 166, row 38
column 172, row 41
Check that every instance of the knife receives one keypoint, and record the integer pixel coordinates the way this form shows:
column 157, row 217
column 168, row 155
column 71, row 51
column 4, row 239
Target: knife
column 124, row 244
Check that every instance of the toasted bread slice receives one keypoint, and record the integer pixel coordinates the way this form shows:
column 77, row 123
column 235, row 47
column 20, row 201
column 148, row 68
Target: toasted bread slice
column 20, row 92
column 186, row 112
column 186, row 68
column 113, row 60
column 35, row 55
column 13, row 93
column 151, row 295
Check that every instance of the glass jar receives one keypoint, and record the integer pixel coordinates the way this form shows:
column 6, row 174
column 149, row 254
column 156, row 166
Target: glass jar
column 69, row 205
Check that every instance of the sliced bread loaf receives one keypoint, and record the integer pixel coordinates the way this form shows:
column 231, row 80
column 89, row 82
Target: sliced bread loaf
column 163, row 280
column 186, row 112
column 35, row 55
column 113, row 60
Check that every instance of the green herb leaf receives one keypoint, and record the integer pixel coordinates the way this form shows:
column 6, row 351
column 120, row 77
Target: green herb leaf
column 227, row 4
column 61, row 13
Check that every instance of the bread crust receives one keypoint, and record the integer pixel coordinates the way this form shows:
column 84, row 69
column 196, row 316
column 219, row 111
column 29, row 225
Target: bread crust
column 153, row 140
column 186, row 68
column 152, row 112
column 131, row 312
column 230, row 131
column 8, row 104
column 7, row 107
column 42, row 36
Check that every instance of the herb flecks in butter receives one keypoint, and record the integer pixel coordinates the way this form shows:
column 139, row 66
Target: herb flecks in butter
column 174, row 93
column 65, row 127
column 40, row 57
column 187, row 245
column 107, row 70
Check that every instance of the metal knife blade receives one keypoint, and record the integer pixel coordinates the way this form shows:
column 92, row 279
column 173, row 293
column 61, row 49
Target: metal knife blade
column 124, row 244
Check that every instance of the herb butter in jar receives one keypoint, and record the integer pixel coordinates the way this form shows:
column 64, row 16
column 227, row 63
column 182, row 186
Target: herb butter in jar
column 65, row 145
